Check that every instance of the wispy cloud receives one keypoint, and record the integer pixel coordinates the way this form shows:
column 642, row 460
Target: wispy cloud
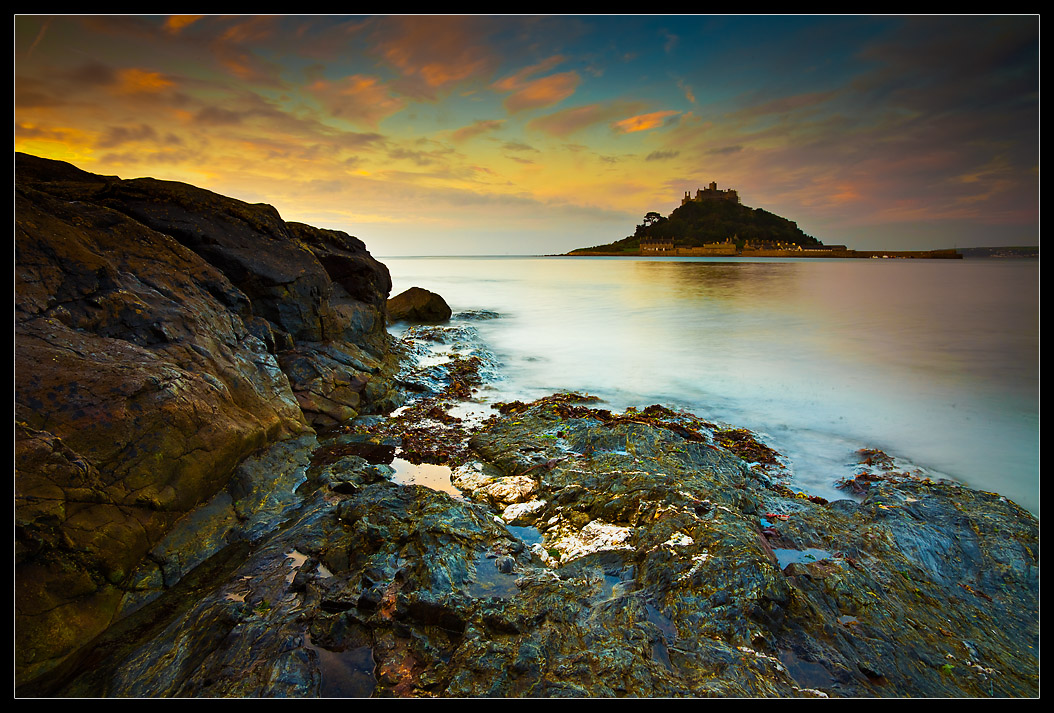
column 786, row 105
column 357, row 98
column 688, row 93
column 433, row 52
column 643, row 122
column 476, row 128
column 569, row 121
column 518, row 80
column 543, row 92
column 135, row 81
column 175, row 23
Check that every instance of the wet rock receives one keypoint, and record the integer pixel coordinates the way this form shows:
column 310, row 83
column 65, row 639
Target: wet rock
column 418, row 305
column 163, row 334
column 391, row 590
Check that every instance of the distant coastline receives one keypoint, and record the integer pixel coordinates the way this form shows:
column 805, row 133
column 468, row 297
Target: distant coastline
column 823, row 252
column 808, row 253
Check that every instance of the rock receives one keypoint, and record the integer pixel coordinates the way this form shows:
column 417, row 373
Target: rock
column 653, row 581
column 512, row 489
column 525, row 513
column 418, row 305
column 163, row 334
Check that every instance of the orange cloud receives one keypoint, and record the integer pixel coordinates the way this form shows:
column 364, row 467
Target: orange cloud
column 137, row 81
column 642, row 122
column 175, row 23
column 357, row 98
column 476, row 128
column 845, row 194
column 568, row 121
column 519, row 79
column 437, row 50
column 543, row 92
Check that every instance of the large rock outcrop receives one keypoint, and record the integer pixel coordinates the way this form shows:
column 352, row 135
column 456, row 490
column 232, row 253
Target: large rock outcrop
column 163, row 333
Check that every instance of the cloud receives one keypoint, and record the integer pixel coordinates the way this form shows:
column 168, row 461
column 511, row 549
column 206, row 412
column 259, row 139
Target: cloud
column 671, row 42
column 517, row 81
column 91, row 73
column 32, row 131
column 787, row 105
column 357, row 98
column 420, row 158
column 118, row 135
column 139, row 81
column 476, row 128
column 688, row 93
column 40, row 35
column 218, row 116
column 642, row 122
column 435, row 51
column 566, row 122
column 518, row 146
column 174, row 24
column 533, row 93
column 31, row 93
column 661, row 155
column 543, row 92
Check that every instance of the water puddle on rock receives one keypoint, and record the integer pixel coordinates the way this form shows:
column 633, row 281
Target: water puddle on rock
column 660, row 650
column 806, row 556
column 345, row 674
column 495, row 577
column 436, row 477
column 472, row 413
column 527, row 534
column 807, row 673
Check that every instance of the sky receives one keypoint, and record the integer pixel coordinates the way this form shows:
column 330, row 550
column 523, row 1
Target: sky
column 522, row 134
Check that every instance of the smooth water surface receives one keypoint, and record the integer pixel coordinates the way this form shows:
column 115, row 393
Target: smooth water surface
column 932, row 361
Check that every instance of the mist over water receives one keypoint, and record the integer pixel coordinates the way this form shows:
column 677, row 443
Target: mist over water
column 933, row 361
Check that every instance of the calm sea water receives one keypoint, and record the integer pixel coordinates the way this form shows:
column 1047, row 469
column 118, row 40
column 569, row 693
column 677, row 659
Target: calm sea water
column 933, row 361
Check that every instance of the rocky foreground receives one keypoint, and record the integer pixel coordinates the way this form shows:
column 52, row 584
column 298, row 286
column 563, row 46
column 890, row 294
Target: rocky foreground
column 211, row 499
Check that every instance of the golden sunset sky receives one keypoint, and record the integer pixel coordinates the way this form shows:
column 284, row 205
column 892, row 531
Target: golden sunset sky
column 440, row 135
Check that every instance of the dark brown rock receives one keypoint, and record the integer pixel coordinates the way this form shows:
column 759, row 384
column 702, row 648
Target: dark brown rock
column 152, row 321
column 418, row 305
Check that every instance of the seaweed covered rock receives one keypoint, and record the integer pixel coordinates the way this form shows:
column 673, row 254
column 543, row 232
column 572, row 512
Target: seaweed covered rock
column 657, row 564
column 923, row 589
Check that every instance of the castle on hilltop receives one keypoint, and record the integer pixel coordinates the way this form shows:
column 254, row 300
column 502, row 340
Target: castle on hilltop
column 711, row 193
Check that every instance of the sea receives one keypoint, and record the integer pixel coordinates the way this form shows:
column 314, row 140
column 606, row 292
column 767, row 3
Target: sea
column 934, row 362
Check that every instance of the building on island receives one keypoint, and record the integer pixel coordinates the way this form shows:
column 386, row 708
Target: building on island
column 652, row 246
column 667, row 246
column 711, row 193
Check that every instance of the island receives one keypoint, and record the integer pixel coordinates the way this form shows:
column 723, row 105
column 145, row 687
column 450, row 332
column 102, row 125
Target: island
column 715, row 223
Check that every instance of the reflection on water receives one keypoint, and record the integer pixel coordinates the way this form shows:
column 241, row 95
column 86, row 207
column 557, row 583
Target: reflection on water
column 348, row 673
column 933, row 361
column 436, row 477
column 807, row 556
